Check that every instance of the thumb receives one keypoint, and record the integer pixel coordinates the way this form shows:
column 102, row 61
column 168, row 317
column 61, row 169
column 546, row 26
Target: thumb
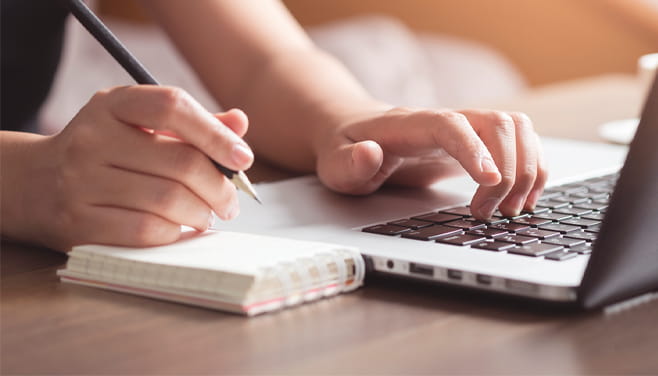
column 352, row 168
column 235, row 119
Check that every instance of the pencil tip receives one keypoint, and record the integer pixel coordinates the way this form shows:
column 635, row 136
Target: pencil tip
column 242, row 182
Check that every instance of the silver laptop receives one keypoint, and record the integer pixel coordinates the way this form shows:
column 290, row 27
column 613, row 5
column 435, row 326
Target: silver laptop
column 593, row 239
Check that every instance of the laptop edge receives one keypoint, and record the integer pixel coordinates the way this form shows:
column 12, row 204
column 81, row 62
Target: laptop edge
column 624, row 261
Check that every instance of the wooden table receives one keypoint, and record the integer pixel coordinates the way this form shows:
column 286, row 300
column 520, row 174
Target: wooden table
column 385, row 327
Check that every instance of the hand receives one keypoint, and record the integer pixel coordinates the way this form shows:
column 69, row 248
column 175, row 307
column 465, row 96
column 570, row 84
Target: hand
column 499, row 150
column 131, row 168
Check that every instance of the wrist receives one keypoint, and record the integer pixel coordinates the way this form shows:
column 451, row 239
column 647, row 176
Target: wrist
column 23, row 191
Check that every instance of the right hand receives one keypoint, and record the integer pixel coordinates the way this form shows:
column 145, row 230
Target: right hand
column 132, row 167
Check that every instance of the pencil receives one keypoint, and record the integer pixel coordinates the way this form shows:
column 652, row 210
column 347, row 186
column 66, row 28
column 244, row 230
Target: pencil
column 142, row 76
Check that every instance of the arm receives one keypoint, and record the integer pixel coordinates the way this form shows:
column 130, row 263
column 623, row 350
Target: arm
column 308, row 113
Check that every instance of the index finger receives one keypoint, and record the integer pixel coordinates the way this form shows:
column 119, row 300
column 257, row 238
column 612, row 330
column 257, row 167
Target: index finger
column 416, row 133
column 173, row 110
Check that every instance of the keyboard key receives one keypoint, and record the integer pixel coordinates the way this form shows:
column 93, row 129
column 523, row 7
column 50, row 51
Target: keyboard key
column 465, row 225
column 549, row 194
column 572, row 188
column 570, row 199
column 565, row 242
column 532, row 221
column 539, row 234
column 595, row 216
column 498, row 214
column 595, row 228
column 385, row 229
column 582, row 222
column 464, row 211
column 561, row 255
column 553, row 216
column 431, row 233
column 560, row 227
column 411, row 223
column 489, row 221
column 607, row 190
column 487, row 232
column 590, row 195
column 552, row 204
column 536, row 210
column 573, row 211
column 511, row 227
column 492, row 246
column 436, row 217
column 516, row 239
column 589, row 236
column 583, row 249
column 534, row 249
column 461, row 239
column 591, row 206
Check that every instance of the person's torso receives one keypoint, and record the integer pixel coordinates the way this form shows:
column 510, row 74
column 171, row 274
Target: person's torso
column 32, row 37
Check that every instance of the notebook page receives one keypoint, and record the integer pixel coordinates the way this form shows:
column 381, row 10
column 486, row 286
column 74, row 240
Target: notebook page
column 232, row 252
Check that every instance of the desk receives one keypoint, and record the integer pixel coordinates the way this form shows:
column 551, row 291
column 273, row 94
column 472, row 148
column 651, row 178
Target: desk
column 385, row 327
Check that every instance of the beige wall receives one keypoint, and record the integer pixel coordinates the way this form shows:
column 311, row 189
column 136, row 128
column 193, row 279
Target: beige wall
column 549, row 40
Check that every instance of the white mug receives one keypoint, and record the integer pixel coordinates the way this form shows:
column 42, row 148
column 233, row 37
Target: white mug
column 646, row 71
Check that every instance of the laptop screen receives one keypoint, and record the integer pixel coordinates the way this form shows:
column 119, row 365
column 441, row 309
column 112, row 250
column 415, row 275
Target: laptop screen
column 625, row 257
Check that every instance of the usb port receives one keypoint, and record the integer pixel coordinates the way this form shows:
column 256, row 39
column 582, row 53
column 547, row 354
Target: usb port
column 421, row 269
column 454, row 274
column 483, row 279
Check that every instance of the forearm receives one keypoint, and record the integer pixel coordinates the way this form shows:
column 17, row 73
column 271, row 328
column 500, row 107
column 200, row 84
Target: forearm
column 296, row 102
column 252, row 55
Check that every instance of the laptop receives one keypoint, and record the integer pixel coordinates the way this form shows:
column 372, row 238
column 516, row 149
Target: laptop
column 592, row 240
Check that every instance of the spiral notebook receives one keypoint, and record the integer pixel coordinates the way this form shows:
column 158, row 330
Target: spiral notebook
column 230, row 271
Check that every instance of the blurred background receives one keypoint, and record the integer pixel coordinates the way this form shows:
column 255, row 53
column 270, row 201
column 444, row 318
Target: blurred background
column 409, row 52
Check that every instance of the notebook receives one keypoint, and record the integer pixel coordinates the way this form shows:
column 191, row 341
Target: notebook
column 592, row 240
column 231, row 271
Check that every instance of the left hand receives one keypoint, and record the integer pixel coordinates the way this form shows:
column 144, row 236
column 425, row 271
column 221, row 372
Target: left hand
column 499, row 150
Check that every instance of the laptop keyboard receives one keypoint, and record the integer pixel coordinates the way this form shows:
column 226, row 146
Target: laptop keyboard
column 563, row 225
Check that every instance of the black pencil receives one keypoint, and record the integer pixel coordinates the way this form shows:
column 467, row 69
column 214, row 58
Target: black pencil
column 139, row 73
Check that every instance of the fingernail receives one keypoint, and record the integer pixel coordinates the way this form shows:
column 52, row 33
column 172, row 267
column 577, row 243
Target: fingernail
column 488, row 207
column 241, row 154
column 233, row 210
column 488, row 165
column 211, row 220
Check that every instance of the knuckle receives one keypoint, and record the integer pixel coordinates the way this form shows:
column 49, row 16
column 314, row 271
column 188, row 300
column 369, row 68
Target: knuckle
column 521, row 117
column 502, row 120
column 171, row 100
column 457, row 142
column 522, row 121
column 452, row 117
